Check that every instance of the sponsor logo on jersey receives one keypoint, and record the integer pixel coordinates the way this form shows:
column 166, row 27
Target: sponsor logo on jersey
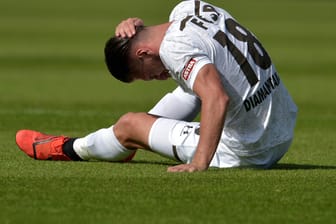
column 188, row 69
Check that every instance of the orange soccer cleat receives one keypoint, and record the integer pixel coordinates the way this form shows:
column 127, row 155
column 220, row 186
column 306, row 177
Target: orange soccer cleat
column 41, row 146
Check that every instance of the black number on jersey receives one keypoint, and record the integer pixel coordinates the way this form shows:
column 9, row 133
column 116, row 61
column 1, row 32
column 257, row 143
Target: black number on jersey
column 255, row 49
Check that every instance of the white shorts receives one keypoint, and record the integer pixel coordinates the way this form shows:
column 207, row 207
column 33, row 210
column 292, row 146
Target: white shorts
column 178, row 140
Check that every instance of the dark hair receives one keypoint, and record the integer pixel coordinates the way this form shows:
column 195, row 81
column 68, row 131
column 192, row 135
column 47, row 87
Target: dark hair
column 117, row 58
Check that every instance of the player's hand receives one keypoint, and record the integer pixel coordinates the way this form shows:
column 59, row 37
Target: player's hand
column 127, row 27
column 185, row 168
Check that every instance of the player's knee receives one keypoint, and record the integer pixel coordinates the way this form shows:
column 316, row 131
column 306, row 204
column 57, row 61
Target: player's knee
column 125, row 126
column 126, row 121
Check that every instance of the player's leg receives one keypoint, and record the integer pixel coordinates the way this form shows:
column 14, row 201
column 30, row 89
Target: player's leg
column 101, row 145
column 166, row 137
column 188, row 106
column 137, row 130
column 173, row 139
column 117, row 143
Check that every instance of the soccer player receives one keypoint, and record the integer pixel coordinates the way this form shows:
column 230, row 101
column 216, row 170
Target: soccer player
column 222, row 71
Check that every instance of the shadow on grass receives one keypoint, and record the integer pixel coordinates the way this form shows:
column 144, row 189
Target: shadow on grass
column 289, row 166
column 162, row 163
column 281, row 166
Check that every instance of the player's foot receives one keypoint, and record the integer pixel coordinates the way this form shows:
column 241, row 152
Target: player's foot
column 41, row 146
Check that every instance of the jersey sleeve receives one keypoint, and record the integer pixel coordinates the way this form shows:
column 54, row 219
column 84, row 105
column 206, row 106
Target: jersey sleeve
column 184, row 56
column 191, row 69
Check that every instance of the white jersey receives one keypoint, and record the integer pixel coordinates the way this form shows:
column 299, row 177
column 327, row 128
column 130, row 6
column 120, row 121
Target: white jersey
column 261, row 114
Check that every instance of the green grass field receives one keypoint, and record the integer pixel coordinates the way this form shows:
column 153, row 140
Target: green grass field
column 53, row 79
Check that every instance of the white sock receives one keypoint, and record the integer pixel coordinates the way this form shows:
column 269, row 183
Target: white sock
column 101, row 145
column 174, row 139
column 159, row 138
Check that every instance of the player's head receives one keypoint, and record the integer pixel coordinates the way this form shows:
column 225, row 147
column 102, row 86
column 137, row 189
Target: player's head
column 133, row 58
column 118, row 58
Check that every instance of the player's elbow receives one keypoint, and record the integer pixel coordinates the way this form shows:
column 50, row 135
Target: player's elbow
column 223, row 101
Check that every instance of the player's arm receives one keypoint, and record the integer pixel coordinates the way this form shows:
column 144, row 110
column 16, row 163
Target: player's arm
column 127, row 27
column 214, row 104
